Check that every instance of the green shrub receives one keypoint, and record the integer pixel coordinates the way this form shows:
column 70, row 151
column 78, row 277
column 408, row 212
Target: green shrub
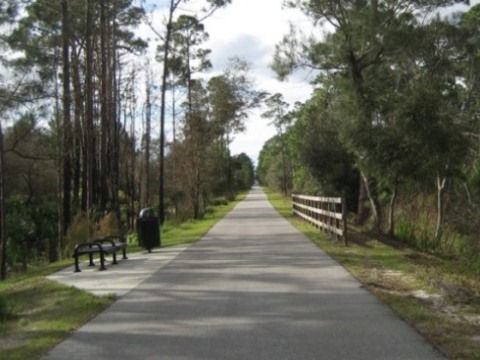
column 405, row 231
column 108, row 225
column 418, row 233
column 219, row 201
column 80, row 230
column 4, row 308
column 132, row 239
column 459, row 246
column 31, row 229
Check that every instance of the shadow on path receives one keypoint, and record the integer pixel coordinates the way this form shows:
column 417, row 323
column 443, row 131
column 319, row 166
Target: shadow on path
column 252, row 288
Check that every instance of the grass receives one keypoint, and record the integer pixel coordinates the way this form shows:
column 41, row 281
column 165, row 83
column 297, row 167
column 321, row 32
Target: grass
column 37, row 313
column 440, row 297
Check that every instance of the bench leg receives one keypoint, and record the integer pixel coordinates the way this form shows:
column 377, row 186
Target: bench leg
column 124, row 252
column 102, row 261
column 77, row 268
column 114, row 258
column 90, row 256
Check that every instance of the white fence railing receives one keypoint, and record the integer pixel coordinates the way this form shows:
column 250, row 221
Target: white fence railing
column 327, row 213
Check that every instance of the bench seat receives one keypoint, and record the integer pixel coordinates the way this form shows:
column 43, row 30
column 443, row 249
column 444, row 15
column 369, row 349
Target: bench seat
column 105, row 246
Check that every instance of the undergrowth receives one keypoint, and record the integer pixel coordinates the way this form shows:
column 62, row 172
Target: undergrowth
column 436, row 292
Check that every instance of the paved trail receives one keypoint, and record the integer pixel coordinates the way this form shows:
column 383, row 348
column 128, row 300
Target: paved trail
column 253, row 288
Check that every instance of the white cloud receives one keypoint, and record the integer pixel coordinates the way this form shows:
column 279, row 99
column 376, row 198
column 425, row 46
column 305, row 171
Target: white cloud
column 250, row 29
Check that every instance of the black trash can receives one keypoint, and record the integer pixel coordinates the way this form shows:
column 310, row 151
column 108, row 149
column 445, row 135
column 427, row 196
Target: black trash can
column 148, row 230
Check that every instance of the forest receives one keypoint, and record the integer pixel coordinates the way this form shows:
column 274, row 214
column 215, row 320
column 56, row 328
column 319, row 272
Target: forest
column 83, row 140
column 393, row 124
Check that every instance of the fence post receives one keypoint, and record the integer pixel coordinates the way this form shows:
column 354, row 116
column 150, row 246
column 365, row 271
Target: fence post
column 344, row 220
column 293, row 204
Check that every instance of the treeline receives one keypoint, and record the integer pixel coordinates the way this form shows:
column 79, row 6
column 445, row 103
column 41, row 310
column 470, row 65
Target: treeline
column 393, row 123
column 83, row 139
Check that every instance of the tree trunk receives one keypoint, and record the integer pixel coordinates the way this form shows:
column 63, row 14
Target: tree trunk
column 53, row 247
column 104, row 112
column 115, row 117
column 375, row 204
column 362, row 210
column 129, row 110
column 3, row 231
column 145, row 191
column 161, row 187
column 441, row 182
column 89, row 133
column 78, row 144
column 67, row 143
column 391, row 214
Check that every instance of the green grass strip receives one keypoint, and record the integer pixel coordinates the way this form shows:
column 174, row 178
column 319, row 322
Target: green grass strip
column 440, row 297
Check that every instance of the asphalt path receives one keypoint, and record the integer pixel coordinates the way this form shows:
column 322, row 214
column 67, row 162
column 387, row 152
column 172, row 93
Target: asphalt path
column 253, row 288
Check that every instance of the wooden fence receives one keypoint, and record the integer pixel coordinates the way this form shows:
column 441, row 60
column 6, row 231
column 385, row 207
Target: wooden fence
column 327, row 213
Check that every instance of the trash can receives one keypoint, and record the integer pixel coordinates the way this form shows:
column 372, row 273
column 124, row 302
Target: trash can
column 148, row 230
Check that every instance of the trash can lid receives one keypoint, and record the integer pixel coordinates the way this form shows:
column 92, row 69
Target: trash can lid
column 147, row 212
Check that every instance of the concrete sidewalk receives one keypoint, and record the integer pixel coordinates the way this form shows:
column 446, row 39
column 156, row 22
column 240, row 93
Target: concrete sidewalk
column 118, row 279
column 252, row 288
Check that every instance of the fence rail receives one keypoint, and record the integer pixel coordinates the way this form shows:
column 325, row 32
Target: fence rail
column 327, row 213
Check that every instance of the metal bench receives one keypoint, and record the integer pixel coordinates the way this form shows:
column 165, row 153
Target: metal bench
column 104, row 246
column 117, row 241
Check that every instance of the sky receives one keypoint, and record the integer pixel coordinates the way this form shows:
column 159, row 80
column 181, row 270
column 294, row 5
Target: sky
column 250, row 29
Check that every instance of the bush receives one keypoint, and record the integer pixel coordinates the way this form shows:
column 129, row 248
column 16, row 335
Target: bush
column 132, row 239
column 84, row 228
column 80, row 230
column 4, row 308
column 415, row 226
column 108, row 225
column 219, row 202
column 32, row 229
column 405, row 231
